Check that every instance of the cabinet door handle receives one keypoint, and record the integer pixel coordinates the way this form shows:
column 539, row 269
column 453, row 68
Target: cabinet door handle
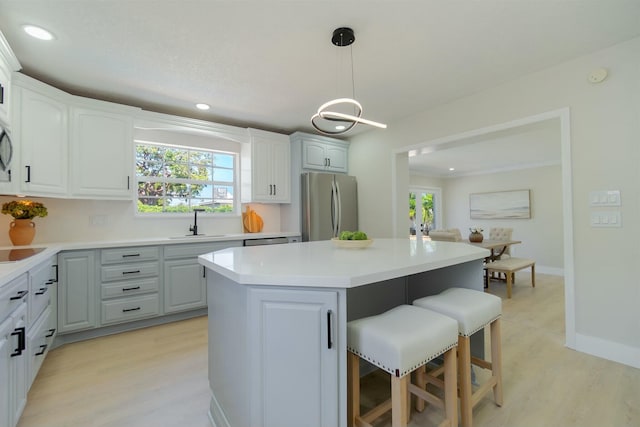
column 21, row 333
column 135, row 288
column 43, row 348
column 55, row 266
column 329, row 161
column 128, row 182
column 130, row 255
column 125, row 310
column 51, row 332
column 1, row 94
column 204, row 271
column 329, row 329
column 275, row 190
column 41, row 291
column 28, row 173
column 19, row 295
column 131, row 272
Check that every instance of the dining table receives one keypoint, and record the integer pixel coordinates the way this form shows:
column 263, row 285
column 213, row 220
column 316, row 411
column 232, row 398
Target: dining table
column 497, row 247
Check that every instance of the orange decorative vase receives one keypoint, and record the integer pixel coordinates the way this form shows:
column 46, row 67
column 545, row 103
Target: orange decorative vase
column 22, row 231
column 476, row 237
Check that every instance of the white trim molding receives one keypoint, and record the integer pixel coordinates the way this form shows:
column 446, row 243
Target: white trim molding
column 609, row 350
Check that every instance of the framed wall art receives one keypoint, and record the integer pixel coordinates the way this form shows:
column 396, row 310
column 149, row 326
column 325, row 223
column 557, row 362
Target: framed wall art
column 500, row 205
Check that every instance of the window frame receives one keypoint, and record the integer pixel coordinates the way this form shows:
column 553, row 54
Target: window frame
column 157, row 215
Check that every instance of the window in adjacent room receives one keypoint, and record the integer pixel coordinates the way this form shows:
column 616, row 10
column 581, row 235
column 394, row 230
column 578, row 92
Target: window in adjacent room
column 174, row 179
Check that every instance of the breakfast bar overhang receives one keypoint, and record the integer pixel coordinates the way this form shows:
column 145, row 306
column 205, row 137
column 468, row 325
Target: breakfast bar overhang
column 278, row 316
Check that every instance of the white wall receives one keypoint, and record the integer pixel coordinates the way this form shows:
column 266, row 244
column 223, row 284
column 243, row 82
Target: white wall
column 605, row 154
column 72, row 221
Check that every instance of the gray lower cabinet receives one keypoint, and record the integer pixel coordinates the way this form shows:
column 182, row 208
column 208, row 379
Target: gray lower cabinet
column 129, row 284
column 185, row 283
column 77, row 291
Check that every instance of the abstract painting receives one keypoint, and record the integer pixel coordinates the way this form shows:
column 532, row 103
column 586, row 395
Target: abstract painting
column 500, row 205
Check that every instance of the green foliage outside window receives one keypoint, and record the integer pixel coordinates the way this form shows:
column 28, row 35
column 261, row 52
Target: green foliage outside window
column 174, row 179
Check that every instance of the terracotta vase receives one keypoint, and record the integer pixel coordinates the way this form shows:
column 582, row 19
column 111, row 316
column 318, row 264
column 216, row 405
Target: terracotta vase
column 22, row 231
column 476, row 237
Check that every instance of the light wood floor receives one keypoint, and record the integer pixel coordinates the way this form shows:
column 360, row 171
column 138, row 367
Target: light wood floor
column 158, row 376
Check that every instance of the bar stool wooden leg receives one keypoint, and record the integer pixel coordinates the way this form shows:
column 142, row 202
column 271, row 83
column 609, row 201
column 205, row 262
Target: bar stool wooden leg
column 496, row 360
column 464, row 372
column 450, row 387
column 399, row 396
column 421, row 382
column 353, row 388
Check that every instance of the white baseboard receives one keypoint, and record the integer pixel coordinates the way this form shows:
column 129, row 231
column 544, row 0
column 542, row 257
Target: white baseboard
column 609, row 350
column 553, row 271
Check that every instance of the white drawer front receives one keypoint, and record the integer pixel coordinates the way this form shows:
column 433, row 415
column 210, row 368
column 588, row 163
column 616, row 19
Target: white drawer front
column 130, row 287
column 194, row 249
column 12, row 295
column 118, row 255
column 129, row 271
column 127, row 309
column 38, row 343
column 40, row 298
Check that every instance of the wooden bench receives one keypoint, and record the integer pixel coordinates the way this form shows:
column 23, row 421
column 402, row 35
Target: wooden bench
column 509, row 266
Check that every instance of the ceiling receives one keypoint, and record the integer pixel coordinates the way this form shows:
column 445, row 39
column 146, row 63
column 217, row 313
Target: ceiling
column 270, row 64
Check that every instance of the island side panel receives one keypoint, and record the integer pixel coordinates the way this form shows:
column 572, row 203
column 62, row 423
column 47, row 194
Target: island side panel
column 464, row 275
column 228, row 352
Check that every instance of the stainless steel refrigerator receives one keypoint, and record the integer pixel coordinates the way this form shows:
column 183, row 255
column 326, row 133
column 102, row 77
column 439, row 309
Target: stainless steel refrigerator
column 329, row 205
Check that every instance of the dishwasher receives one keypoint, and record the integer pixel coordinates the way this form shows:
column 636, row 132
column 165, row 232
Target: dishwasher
column 266, row 241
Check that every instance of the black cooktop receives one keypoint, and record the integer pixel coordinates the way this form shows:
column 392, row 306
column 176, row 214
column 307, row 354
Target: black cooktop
column 11, row 255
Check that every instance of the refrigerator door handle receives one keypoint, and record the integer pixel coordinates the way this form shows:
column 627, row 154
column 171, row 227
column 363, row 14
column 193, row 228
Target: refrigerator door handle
column 334, row 210
column 339, row 204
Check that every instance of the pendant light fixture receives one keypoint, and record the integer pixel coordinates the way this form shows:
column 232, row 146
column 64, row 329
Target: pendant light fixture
column 340, row 115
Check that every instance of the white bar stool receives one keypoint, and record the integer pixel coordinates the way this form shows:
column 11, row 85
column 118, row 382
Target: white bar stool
column 400, row 341
column 473, row 310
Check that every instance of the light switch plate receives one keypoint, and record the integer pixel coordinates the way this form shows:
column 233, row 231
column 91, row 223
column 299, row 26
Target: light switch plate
column 606, row 219
column 604, row 198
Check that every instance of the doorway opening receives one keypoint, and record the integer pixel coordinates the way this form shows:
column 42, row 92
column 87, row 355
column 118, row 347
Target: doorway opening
column 425, row 210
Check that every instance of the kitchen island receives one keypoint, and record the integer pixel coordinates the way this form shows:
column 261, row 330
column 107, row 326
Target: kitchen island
column 278, row 316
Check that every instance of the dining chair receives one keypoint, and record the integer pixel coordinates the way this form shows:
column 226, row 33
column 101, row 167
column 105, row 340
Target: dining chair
column 501, row 233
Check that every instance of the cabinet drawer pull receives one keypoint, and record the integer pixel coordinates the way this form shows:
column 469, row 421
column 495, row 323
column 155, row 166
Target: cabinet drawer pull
column 28, row 173
column 43, row 348
column 51, row 332
column 21, row 333
column 50, row 282
column 20, row 295
column 131, row 272
column 41, row 291
column 126, row 310
column 135, row 288
column 329, row 329
column 129, row 255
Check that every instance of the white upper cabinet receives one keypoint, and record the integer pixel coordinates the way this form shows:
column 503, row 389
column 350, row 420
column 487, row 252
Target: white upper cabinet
column 322, row 153
column 101, row 148
column 40, row 136
column 8, row 64
column 266, row 168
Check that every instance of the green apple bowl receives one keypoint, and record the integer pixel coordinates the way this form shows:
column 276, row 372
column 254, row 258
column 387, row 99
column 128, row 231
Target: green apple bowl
column 351, row 244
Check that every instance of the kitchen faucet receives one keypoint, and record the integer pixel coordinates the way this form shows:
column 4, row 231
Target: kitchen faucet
column 194, row 228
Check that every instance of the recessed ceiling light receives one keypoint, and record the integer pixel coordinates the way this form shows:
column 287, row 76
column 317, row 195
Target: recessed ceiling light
column 38, row 32
column 452, row 169
column 202, row 106
column 341, row 127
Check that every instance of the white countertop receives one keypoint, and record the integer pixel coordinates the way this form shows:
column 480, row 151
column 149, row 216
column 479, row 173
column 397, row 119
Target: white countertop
column 321, row 264
column 11, row 270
